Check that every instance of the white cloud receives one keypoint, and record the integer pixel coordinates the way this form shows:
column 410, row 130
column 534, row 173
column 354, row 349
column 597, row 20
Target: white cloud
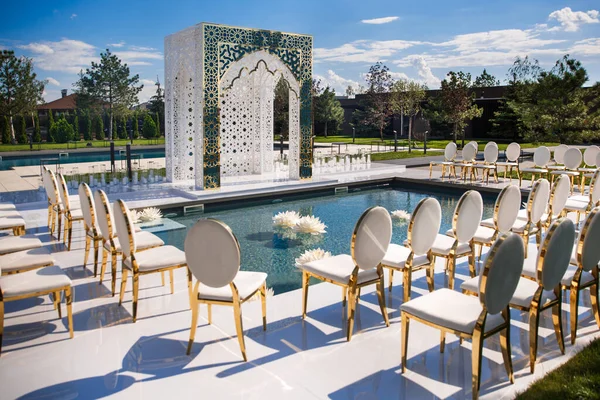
column 67, row 55
column 571, row 20
column 132, row 57
column 362, row 51
column 586, row 47
column 141, row 48
column 506, row 39
column 424, row 72
column 73, row 16
column 117, row 45
column 379, row 21
column 53, row 81
column 148, row 90
column 337, row 82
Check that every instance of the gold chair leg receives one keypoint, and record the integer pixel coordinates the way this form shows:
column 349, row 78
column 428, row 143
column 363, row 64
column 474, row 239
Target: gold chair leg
column 451, row 267
column 391, row 274
column 1, row 323
column 534, row 322
column 574, row 303
column 96, row 248
column 430, row 275
column 237, row 310
column 70, row 236
column 404, row 339
column 69, row 300
column 124, row 274
column 172, row 283
column 477, row 349
column 49, row 216
column 103, row 265
column 209, row 309
column 557, row 321
column 57, row 304
column 194, row 321
column 407, row 275
column 304, row 293
column 113, row 271
column 351, row 311
column 162, row 278
column 381, row 297
column 344, row 293
column 472, row 272
column 136, row 286
column 58, row 229
column 442, row 341
column 594, row 300
column 505, row 345
column 263, row 300
column 430, row 169
column 86, row 253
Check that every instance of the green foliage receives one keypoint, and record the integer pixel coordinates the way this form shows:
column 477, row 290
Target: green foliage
column 21, row 129
column 135, row 133
column 76, row 132
column 87, row 126
column 5, row 130
column 377, row 109
column 327, row 109
column 156, row 105
column 406, row 100
column 98, row 127
column 62, row 131
column 149, row 127
column 37, row 134
column 486, row 80
column 456, row 102
column 156, row 119
column 121, row 127
column 281, row 107
column 109, row 82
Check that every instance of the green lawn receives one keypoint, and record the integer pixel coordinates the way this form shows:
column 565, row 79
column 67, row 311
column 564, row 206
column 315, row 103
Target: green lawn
column 80, row 145
column 578, row 378
column 399, row 155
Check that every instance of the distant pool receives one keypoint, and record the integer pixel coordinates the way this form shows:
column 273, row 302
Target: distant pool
column 76, row 157
column 267, row 251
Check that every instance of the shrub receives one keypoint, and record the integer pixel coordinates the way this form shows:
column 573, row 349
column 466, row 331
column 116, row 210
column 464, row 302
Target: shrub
column 149, row 127
column 99, row 127
column 76, row 135
column 62, row 131
column 135, row 130
column 37, row 135
column 5, row 130
column 21, row 131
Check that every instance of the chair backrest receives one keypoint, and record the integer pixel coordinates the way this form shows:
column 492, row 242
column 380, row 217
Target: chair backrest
column 469, row 152
column 507, row 208
column 125, row 229
column 371, row 238
column 595, row 188
column 598, row 160
column 590, row 154
column 559, row 195
column 501, row 272
column 513, row 152
column 212, row 253
column 538, row 200
column 573, row 158
column 490, row 153
column 474, row 143
column 467, row 216
column 541, row 156
column 559, row 153
column 105, row 215
column 87, row 206
column 51, row 186
column 424, row 225
column 450, row 151
column 554, row 255
column 64, row 192
column 588, row 250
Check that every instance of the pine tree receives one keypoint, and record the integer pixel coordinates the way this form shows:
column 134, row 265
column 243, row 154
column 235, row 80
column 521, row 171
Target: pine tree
column 87, row 126
column 76, row 135
column 37, row 134
column 149, row 127
column 99, row 127
column 21, row 129
column 157, row 123
column 49, row 137
column 135, row 130
column 5, row 130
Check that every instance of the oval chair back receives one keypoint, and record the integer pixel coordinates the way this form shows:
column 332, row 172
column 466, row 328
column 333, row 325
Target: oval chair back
column 513, row 152
column 588, row 250
column 590, row 155
column 125, row 229
column 371, row 238
column 507, row 207
column 538, row 200
column 501, row 273
column 559, row 195
column 105, row 215
column 424, row 225
column 553, row 259
column 573, row 158
column 87, row 207
column 469, row 152
column 467, row 216
column 474, row 143
column 595, row 189
column 559, row 154
column 598, row 160
column 541, row 157
column 212, row 253
column 450, row 151
column 490, row 153
column 64, row 192
column 51, row 186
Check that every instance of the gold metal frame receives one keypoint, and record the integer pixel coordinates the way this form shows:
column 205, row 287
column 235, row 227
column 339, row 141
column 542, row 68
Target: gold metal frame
column 55, row 210
column 66, row 211
column 56, row 292
column 352, row 288
column 451, row 169
column 91, row 234
column 595, row 179
column 478, row 335
column 137, row 273
column 531, row 229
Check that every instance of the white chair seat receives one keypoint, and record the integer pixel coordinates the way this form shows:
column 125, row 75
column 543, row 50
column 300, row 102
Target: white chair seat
column 9, row 222
column 485, row 166
column 11, row 244
column 157, row 258
column 519, row 226
column 576, row 205
column 555, row 167
column 568, row 173
column 484, row 235
column 397, row 255
column 522, row 215
column 580, row 197
column 535, row 170
column 7, row 206
column 9, row 214
column 451, row 310
column 339, row 269
column 76, row 213
column 488, row 223
column 442, row 163
column 523, row 295
column 40, row 280
column 568, row 276
column 588, row 175
column 143, row 240
column 507, row 164
column 443, row 244
column 247, row 282
column 590, row 170
column 25, row 259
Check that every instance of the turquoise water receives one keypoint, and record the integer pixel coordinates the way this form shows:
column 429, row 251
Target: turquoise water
column 265, row 250
column 26, row 160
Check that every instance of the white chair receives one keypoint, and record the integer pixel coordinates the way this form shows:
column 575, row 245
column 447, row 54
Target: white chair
column 363, row 267
column 25, row 260
column 14, row 223
column 559, row 158
column 112, row 245
column 40, row 282
column 490, row 156
column 92, row 230
column 582, row 204
column 71, row 214
column 591, row 159
column 512, row 153
column 541, row 158
column 543, row 292
column 558, row 199
column 157, row 259
column 584, row 275
column 469, row 153
column 572, row 162
column 416, row 255
column 469, row 316
column 536, row 207
column 449, row 156
column 213, row 255
column 13, row 244
column 466, row 220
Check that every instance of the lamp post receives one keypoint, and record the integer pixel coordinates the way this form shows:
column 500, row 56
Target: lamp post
column 395, row 141
column 353, row 134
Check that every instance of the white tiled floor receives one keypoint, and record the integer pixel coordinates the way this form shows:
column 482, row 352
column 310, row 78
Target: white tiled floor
column 111, row 356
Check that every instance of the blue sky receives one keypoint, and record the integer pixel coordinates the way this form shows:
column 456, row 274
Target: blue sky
column 417, row 40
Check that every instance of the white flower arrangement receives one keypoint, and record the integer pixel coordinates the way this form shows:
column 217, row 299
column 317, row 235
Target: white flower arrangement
column 269, row 293
column 310, row 224
column 401, row 215
column 135, row 216
column 286, row 219
column 150, row 214
column 312, row 255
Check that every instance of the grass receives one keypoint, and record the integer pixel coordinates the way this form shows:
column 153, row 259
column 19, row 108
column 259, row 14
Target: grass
column 80, row 145
column 398, row 155
column 578, row 378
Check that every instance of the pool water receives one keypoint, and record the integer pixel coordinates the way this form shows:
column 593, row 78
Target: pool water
column 265, row 250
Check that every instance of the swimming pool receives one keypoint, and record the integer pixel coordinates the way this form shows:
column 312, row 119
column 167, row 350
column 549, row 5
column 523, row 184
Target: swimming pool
column 265, row 250
column 76, row 157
